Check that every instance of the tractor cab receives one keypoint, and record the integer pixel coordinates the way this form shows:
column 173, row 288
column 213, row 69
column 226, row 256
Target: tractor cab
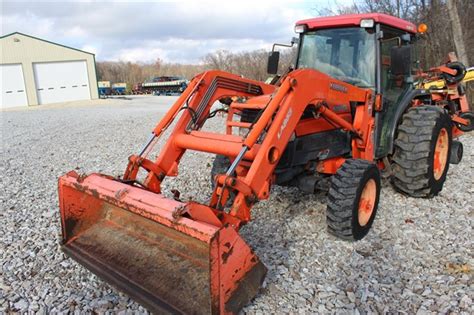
column 372, row 51
column 368, row 51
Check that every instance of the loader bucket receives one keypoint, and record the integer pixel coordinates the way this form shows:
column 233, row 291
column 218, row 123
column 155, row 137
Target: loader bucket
column 128, row 236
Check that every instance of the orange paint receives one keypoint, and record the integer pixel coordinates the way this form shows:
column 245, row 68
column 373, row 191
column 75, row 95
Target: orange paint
column 330, row 166
column 367, row 202
column 441, row 154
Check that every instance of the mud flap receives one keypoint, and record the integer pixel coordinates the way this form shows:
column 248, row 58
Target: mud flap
column 128, row 236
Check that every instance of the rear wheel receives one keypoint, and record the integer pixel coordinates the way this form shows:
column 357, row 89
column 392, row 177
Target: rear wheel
column 353, row 199
column 422, row 152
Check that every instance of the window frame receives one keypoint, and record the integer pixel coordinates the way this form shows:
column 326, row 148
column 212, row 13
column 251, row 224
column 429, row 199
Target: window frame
column 376, row 43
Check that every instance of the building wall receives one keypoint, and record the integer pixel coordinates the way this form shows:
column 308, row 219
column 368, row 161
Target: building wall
column 18, row 48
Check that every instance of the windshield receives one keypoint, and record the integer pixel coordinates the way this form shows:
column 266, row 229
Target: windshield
column 346, row 54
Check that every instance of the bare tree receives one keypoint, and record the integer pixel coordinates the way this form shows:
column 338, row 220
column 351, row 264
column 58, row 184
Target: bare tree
column 457, row 31
column 221, row 60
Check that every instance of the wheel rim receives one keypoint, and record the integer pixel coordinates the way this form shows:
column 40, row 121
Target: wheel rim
column 367, row 202
column 440, row 154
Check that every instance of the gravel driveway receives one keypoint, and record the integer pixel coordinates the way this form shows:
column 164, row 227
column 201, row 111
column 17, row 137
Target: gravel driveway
column 417, row 258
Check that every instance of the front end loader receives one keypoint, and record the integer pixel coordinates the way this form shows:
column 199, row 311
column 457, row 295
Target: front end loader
column 324, row 124
column 187, row 257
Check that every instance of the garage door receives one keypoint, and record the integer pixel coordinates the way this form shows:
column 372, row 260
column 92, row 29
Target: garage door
column 61, row 81
column 13, row 86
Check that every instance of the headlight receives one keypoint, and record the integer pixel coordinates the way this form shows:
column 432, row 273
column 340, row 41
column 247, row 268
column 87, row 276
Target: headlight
column 367, row 23
column 300, row 28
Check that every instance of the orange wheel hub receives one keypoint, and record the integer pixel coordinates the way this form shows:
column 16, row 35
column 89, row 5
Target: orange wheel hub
column 367, row 202
column 440, row 154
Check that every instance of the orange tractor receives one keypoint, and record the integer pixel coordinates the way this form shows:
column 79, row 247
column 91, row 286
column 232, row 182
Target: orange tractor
column 350, row 110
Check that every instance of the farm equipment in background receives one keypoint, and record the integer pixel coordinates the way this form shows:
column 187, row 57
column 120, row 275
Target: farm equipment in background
column 349, row 111
column 137, row 89
column 165, row 86
column 119, row 88
column 444, row 84
column 104, row 88
column 107, row 89
column 158, row 86
column 437, row 81
column 469, row 75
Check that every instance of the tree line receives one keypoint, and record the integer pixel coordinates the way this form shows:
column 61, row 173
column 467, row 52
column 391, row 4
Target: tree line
column 251, row 64
column 449, row 29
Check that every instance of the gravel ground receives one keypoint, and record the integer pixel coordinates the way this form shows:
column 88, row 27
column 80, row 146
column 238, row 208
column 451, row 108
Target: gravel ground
column 418, row 258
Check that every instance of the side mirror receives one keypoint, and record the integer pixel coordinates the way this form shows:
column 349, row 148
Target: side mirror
column 400, row 60
column 273, row 59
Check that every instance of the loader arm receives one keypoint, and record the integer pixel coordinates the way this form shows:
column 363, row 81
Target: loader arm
column 196, row 102
column 263, row 145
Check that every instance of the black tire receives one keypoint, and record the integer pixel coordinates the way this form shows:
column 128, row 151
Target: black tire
column 220, row 166
column 413, row 158
column 461, row 72
column 347, row 185
column 469, row 116
column 457, row 151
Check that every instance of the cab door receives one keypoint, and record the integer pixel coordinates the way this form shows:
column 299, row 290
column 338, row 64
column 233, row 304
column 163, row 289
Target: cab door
column 393, row 88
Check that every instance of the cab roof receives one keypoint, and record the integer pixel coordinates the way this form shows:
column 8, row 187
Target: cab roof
column 354, row 20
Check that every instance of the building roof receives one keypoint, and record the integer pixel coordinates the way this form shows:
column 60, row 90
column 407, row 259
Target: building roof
column 47, row 41
column 354, row 20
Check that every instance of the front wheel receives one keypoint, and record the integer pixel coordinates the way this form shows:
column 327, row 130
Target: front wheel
column 353, row 199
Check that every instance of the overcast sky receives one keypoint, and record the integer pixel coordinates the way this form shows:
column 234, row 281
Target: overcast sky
column 175, row 31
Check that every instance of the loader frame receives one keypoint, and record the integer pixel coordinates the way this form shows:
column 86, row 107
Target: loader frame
column 254, row 159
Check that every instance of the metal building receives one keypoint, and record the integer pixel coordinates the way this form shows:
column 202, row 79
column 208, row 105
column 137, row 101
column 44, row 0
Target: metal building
column 34, row 71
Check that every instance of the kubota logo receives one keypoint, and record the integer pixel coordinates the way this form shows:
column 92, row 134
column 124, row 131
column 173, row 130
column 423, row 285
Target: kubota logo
column 284, row 123
column 338, row 87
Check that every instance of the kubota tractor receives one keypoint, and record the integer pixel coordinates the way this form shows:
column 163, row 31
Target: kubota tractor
column 350, row 110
